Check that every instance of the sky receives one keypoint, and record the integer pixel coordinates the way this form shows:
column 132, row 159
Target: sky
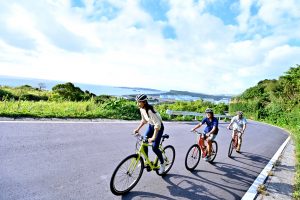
column 206, row 46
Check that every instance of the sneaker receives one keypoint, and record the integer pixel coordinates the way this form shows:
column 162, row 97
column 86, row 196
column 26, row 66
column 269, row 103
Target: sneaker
column 162, row 168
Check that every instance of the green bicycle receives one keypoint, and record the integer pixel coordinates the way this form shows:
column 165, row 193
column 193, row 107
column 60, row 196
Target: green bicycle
column 128, row 173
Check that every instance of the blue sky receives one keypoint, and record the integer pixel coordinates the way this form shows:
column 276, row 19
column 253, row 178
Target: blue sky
column 207, row 46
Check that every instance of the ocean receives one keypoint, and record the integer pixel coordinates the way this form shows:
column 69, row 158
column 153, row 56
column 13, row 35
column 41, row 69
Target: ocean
column 96, row 89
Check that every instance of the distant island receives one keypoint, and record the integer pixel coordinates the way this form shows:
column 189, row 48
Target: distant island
column 193, row 94
column 126, row 92
column 138, row 88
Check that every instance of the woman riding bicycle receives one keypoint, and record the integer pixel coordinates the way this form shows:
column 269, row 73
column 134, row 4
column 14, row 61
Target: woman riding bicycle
column 155, row 129
column 210, row 131
column 239, row 125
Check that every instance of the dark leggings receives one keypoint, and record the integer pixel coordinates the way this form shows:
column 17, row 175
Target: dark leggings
column 155, row 144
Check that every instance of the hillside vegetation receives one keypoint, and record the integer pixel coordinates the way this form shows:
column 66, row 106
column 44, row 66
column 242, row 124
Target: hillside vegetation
column 68, row 101
column 276, row 102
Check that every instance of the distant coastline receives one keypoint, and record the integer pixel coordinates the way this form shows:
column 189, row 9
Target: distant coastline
column 127, row 92
column 96, row 89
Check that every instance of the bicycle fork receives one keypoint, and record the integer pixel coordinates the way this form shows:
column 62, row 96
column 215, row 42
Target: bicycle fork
column 202, row 147
column 133, row 164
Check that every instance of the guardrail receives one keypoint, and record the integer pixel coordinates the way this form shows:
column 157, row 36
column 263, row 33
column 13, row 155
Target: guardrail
column 196, row 114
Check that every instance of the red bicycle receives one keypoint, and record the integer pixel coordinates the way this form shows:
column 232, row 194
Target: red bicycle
column 193, row 155
column 233, row 143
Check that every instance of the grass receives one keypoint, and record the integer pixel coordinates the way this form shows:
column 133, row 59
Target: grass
column 270, row 173
column 261, row 189
column 64, row 109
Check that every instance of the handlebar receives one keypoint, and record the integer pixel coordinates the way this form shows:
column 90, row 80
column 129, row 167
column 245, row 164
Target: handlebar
column 141, row 138
column 236, row 130
column 198, row 132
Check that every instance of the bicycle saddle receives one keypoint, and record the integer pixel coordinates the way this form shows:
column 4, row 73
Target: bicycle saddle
column 165, row 136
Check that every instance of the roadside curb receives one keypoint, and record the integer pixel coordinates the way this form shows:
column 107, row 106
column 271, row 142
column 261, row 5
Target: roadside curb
column 260, row 180
column 279, row 184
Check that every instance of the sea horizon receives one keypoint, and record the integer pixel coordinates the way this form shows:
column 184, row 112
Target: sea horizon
column 13, row 81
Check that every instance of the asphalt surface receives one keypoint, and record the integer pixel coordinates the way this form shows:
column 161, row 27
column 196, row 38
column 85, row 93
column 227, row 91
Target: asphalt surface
column 40, row 160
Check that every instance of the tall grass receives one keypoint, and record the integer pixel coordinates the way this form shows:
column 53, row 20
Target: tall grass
column 68, row 109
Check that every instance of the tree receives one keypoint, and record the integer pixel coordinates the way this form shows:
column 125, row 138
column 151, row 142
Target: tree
column 290, row 84
column 42, row 86
column 68, row 91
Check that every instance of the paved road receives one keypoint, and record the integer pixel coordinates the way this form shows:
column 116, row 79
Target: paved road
column 40, row 160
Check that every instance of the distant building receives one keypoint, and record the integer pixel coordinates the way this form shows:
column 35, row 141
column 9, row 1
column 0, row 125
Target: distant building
column 178, row 97
column 209, row 99
column 223, row 100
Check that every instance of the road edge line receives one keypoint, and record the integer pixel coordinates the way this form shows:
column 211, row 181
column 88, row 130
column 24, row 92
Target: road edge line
column 252, row 191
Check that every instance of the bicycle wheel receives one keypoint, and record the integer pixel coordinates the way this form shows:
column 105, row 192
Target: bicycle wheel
column 214, row 151
column 126, row 175
column 169, row 158
column 230, row 148
column 192, row 157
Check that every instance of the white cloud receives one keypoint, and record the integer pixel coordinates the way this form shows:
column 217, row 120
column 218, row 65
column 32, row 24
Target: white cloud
column 245, row 14
column 130, row 50
column 276, row 12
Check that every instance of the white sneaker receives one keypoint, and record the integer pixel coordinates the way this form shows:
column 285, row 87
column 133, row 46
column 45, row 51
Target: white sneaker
column 162, row 168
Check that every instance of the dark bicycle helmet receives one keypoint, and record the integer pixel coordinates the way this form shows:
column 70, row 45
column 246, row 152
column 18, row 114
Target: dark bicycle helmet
column 239, row 113
column 141, row 97
column 209, row 110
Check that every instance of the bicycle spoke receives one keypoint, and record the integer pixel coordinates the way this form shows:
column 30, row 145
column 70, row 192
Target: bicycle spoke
column 214, row 151
column 195, row 153
column 127, row 174
column 192, row 157
column 168, row 153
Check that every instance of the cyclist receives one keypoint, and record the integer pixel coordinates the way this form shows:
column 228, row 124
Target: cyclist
column 211, row 130
column 239, row 125
column 155, row 129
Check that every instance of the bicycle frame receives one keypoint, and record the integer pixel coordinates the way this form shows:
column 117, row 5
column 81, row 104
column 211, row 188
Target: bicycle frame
column 201, row 143
column 235, row 140
column 153, row 165
column 141, row 153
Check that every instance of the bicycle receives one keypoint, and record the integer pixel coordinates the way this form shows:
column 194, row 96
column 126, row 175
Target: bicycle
column 129, row 171
column 193, row 154
column 233, row 143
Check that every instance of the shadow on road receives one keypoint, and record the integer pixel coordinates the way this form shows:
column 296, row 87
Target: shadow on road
column 193, row 187
column 233, row 180
column 285, row 189
column 257, row 161
column 143, row 195
column 235, row 175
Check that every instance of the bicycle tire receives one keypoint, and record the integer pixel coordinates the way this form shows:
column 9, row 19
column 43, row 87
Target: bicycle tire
column 122, row 165
column 169, row 152
column 230, row 149
column 214, row 152
column 194, row 157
